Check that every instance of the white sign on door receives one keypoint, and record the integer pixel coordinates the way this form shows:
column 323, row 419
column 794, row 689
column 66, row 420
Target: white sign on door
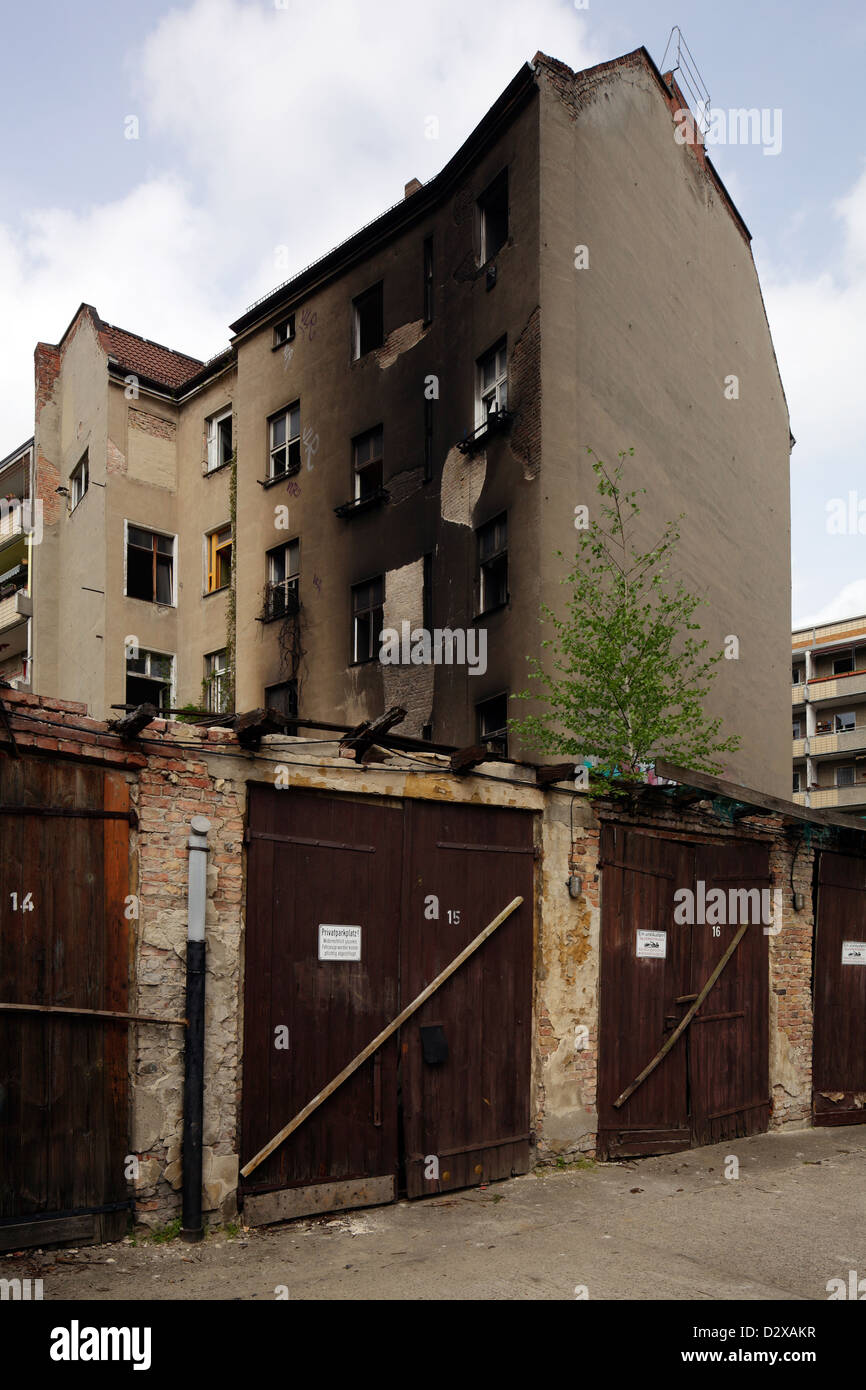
column 854, row 952
column 339, row 943
column 652, row 943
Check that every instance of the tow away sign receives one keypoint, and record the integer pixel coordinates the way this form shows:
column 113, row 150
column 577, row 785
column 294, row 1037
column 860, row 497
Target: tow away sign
column 854, row 952
column 652, row 943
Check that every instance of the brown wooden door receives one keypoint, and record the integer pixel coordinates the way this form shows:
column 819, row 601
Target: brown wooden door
column 63, row 941
column 318, row 861
column 468, row 1111
column 641, row 873
column 728, row 1039
column 714, row 1083
column 839, row 1060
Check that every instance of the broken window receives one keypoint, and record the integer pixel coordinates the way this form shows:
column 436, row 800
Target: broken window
column 492, row 723
column 493, row 208
column 367, row 618
column 283, row 698
column 285, row 441
column 79, row 480
column 149, row 565
column 219, row 559
column 368, row 323
column 368, row 462
column 284, row 567
column 149, row 677
column 216, row 676
column 284, row 331
column 493, row 564
column 219, row 440
column 492, row 383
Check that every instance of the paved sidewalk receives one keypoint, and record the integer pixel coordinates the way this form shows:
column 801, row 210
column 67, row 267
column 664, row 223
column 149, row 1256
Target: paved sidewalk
column 671, row 1228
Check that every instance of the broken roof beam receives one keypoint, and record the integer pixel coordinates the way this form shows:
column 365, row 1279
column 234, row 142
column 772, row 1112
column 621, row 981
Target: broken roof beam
column 366, row 733
column 465, row 759
column 252, row 726
column 554, row 772
column 131, row 725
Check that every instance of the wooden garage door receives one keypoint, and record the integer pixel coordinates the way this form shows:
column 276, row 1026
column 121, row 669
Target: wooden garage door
column 443, row 1103
column 839, row 1065
column 64, row 861
column 713, row 1084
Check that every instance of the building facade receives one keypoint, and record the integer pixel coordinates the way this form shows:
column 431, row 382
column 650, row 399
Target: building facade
column 397, row 436
column 20, row 530
column 828, row 710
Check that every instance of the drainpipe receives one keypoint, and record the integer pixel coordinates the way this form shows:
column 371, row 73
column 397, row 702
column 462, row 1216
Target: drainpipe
column 193, row 1081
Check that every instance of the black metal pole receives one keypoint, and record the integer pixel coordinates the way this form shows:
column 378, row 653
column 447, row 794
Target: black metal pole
column 193, row 1079
column 193, row 1092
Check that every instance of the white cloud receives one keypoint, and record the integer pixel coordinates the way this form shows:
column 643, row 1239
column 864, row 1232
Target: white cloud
column 268, row 127
column 850, row 602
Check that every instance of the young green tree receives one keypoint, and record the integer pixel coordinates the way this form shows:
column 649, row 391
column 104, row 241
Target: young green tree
column 628, row 678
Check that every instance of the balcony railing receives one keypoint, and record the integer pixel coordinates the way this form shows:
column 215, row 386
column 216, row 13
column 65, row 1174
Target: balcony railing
column 497, row 422
column 281, row 600
column 798, row 693
column 841, row 797
column 799, row 748
column 362, row 504
column 846, row 741
column 836, row 687
column 14, row 609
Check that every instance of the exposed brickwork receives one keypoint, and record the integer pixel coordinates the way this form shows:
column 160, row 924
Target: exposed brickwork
column 153, row 425
column 524, row 386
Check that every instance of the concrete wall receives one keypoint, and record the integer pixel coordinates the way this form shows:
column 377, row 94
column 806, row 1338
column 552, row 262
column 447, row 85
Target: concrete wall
column 636, row 350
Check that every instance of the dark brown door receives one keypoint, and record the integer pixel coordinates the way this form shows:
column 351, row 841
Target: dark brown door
column 419, row 881
column 714, row 1082
column 728, row 1039
column 319, row 862
column 466, row 1114
column 839, row 1065
column 639, row 993
column 63, row 941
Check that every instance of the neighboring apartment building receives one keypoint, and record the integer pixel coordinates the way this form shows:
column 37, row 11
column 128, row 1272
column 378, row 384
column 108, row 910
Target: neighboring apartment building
column 397, row 435
column 828, row 709
column 20, row 530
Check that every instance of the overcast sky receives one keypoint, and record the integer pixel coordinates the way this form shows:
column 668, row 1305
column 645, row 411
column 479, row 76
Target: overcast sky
column 268, row 130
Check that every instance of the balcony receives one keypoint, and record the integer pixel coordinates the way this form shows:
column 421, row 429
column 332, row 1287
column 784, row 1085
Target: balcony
column 497, row 422
column 836, row 687
column 842, row 798
column 798, row 693
column 12, row 524
column 849, row 741
column 362, row 504
column 799, row 748
column 281, row 600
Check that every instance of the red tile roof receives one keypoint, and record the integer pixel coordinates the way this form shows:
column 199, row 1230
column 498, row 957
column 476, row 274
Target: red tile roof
column 147, row 359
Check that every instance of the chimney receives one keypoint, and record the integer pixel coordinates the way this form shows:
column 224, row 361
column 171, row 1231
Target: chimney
column 412, row 187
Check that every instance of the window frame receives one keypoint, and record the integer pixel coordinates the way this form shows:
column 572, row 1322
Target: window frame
column 213, row 556
column 216, row 679
column 156, row 535
column 357, row 469
column 846, row 768
column 374, row 642
column 483, row 201
column 289, row 324
column 292, row 442
column 485, row 561
column 81, row 470
column 169, row 686
column 213, row 437
column 378, row 288
column 498, row 391
column 290, row 582
column 498, row 735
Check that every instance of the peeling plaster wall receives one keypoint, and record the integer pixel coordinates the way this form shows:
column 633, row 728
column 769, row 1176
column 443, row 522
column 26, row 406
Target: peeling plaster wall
column 408, row 686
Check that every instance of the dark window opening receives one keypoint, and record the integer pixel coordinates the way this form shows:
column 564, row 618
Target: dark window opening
column 368, row 463
column 844, row 776
column 368, row 321
column 493, row 564
column 493, row 206
column 796, row 787
column 492, row 723
column 149, row 566
column 843, row 664
column 284, row 331
column 148, row 679
column 283, row 698
column 367, row 618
